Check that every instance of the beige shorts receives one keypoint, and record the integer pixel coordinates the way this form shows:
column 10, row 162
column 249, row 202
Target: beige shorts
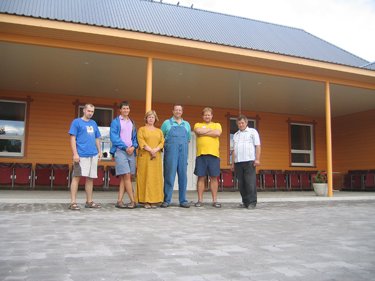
column 87, row 167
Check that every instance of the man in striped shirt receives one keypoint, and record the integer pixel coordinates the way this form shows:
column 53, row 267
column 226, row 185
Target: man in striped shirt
column 245, row 158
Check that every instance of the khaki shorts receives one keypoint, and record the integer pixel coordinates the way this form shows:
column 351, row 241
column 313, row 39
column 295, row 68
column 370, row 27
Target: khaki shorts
column 87, row 167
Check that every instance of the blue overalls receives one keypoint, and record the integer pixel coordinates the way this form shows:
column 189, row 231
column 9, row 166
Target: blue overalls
column 175, row 160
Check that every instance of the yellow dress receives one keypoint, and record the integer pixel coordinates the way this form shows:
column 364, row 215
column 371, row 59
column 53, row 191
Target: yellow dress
column 149, row 172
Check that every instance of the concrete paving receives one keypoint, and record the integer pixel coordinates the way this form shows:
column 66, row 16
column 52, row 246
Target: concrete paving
column 289, row 236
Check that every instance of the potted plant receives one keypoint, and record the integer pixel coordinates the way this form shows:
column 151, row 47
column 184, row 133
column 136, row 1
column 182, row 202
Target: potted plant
column 134, row 181
column 320, row 183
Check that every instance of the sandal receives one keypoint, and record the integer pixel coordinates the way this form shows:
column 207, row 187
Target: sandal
column 147, row 206
column 74, row 206
column 91, row 205
column 121, row 205
column 198, row 204
column 216, row 205
column 132, row 205
column 153, row 206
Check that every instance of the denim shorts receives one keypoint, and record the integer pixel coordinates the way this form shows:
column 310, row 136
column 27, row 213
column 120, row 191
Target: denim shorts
column 124, row 162
column 204, row 163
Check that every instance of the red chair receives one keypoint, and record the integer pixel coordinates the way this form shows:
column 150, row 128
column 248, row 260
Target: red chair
column 219, row 181
column 281, row 181
column 259, row 183
column 357, row 180
column 268, row 179
column 60, row 175
column 23, row 174
column 99, row 181
column 305, row 181
column 227, row 179
column 112, row 179
column 353, row 180
column 293, row 179
column 346, row 182
column 370, row 181
column 6, row 173
column 43, row 175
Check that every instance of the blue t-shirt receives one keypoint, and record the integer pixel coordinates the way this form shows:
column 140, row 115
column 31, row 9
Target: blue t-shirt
column 85, row 132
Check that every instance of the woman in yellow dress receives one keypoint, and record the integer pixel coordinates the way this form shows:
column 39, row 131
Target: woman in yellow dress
column 150, row 171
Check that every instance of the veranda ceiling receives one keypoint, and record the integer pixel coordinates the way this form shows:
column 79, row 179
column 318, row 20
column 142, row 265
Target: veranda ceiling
column 82, row 73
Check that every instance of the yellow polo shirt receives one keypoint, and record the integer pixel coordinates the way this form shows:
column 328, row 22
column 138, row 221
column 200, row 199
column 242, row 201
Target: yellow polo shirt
column 208, row 145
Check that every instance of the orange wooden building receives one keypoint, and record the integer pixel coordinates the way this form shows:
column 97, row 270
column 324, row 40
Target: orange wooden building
column 51, row 66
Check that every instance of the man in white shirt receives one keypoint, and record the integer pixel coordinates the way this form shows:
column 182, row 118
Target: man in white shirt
column 245, row 158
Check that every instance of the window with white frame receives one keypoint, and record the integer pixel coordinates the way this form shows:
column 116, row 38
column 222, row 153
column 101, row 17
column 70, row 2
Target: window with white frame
column 12, row 128
column 103, row 118
column 302, row 144
column 234, row 128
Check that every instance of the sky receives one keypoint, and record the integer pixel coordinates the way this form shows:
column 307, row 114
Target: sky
column 348, row 24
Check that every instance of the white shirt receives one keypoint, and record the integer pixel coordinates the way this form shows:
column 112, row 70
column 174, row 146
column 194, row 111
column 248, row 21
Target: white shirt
column 244, row 143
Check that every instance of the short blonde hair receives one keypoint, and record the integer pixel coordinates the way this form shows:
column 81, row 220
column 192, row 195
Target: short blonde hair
column 208, row 109
column 151, row 112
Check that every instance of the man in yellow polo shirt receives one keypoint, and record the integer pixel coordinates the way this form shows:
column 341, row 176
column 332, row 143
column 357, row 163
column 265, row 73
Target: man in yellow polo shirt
column 208, row 157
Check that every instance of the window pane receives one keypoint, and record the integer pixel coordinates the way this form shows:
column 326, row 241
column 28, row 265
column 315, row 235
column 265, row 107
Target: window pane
column 102, row 117
column 106, row 146
column 10, row 145
column 300, row 158
column 104, row 132
column 301, row 137
column 12, row 111
column 12, row 128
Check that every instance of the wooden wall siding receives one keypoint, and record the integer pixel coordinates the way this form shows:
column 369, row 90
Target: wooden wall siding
column 51, row 116
column 353, row 138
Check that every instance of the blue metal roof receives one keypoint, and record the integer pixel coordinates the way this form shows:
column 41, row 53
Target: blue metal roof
column 369, row 66
column 188, row 23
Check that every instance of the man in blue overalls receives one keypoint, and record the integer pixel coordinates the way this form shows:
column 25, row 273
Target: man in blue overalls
column 177, row 134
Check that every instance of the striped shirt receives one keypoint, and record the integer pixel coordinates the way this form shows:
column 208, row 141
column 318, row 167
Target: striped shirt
column 244, row 143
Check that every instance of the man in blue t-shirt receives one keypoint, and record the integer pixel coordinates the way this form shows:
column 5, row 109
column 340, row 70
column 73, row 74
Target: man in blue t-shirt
column 84, row 140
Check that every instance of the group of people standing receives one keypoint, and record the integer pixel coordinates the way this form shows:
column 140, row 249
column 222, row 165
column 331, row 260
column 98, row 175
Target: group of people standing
column 155, row 178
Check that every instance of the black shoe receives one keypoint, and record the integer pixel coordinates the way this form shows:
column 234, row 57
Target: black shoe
column 242, row 206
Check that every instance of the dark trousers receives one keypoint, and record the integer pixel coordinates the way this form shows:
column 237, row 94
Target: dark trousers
column 246, row 176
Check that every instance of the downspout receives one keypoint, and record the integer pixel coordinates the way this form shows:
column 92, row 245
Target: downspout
column 149, row 85
column 329, row 140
